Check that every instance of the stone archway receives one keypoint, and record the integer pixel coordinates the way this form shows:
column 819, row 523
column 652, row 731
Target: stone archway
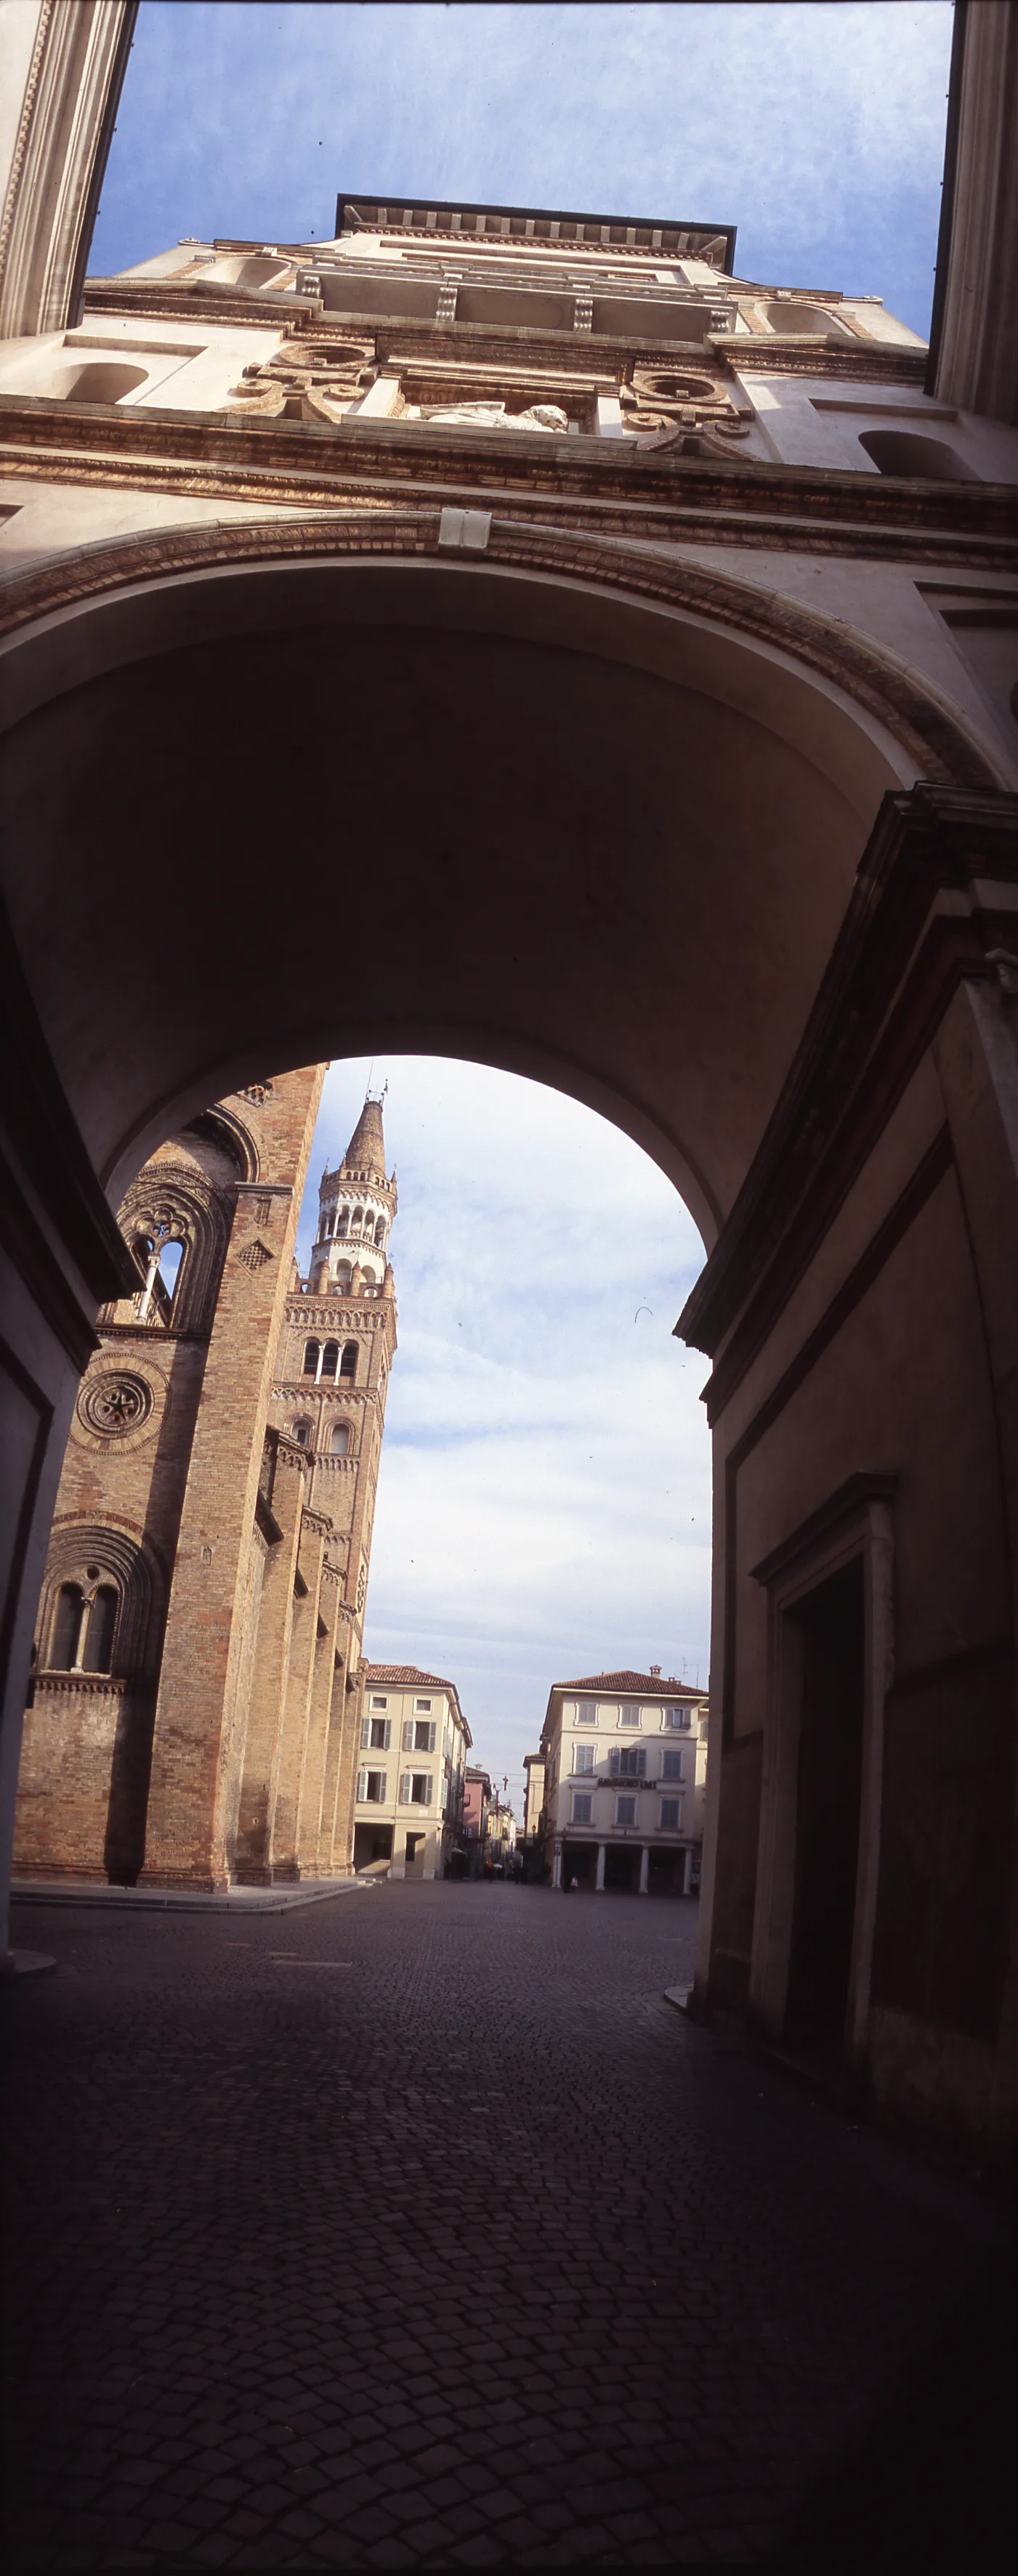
column 278, row 794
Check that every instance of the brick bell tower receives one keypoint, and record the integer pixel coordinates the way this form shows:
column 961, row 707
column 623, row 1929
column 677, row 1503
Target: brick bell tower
column 337, row 1348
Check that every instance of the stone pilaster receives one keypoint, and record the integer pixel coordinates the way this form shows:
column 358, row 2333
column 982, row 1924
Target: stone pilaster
column 199, row 1730
column 251, row 1858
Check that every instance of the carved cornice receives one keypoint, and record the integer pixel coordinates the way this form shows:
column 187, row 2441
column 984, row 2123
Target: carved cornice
column 309, row 1312
column 855, row 361
column 93, row 1685
column 371, row 464
column 936, row 894
column 925, row 725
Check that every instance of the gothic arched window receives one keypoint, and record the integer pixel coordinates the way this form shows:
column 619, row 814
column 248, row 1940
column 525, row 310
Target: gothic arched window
column 330, row 1359
column 380, row 1233
column 302, row 1433
column 343, row 1221
column 63, row 1653
column 340, row 1441
column 358, row 1219
column 310, row 1368
column 348, row 1363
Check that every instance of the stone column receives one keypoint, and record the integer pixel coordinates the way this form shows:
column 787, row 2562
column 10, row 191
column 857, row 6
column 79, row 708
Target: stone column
column 645, row 1871
column 556, row 1873
column 602, row 1854
column 687, row 1868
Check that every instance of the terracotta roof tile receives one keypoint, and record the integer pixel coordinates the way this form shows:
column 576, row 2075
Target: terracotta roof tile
column 405, row 1677
column 652, row 1683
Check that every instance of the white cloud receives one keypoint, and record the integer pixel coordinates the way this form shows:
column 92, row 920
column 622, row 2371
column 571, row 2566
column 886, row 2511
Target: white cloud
column 544, row 1498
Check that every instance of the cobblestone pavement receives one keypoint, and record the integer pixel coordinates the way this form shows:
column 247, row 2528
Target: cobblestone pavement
column 418, row 2228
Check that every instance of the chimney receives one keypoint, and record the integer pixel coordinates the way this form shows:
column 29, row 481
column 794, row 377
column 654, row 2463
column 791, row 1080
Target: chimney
column 655, row 1672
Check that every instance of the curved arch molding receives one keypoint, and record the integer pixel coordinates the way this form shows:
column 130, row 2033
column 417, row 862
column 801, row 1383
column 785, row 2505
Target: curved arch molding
column 884, row 691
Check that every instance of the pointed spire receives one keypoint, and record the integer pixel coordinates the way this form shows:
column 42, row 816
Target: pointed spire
column 364, row 1158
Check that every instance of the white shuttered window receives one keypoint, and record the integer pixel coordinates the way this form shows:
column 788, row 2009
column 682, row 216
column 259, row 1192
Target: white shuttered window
column 416, row 1789
column 376, row 1734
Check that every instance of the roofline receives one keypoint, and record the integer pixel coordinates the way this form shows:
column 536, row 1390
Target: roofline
column 538, row 214
column 432, row 1681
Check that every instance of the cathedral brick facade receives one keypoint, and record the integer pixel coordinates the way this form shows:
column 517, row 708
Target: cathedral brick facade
column 192, row 1719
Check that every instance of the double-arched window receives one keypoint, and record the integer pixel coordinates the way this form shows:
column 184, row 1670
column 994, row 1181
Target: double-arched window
column 83, row 1628
column 330, row 1359
column 102, row 1605
column 311, row 1354
column 348, row 1363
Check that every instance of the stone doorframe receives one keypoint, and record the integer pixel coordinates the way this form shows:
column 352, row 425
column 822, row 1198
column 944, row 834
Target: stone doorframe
column 857, row 1522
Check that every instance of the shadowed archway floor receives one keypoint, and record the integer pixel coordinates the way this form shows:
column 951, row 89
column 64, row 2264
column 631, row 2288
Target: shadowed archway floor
column 417, row 2228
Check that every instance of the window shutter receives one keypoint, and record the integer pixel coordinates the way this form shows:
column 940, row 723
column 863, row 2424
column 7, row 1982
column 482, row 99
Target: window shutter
column 641, row 1763
column 365, row 1734
column 429, row 1791
column 387, row 1738
column 432, row 1731
column 362, row 1787
column 408, row 1735
column 404, row 1789
column 615, row 1759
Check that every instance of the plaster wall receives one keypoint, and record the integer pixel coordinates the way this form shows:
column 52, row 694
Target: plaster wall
column 817, row 420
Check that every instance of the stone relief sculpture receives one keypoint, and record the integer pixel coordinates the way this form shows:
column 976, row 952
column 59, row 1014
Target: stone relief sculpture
column 689, row 410
column 490, row 415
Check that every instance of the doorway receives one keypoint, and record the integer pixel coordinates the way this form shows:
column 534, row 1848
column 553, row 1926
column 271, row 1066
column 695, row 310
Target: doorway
column 830, row 1626
column 414, row 1865
column 579, row 1862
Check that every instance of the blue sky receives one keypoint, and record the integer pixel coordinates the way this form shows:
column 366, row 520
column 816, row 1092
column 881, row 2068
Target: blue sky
column 544, row 1498
column 544, row 1503
column 818, row 130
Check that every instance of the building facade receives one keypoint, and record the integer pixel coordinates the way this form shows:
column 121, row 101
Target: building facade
column 193, row 1709
column 625, row 1765
column 671, row 562
column 534, row 1767
column 412, row 1746
column 477, row 1799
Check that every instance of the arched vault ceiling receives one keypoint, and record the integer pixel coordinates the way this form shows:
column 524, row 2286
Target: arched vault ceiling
column 258, row 815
